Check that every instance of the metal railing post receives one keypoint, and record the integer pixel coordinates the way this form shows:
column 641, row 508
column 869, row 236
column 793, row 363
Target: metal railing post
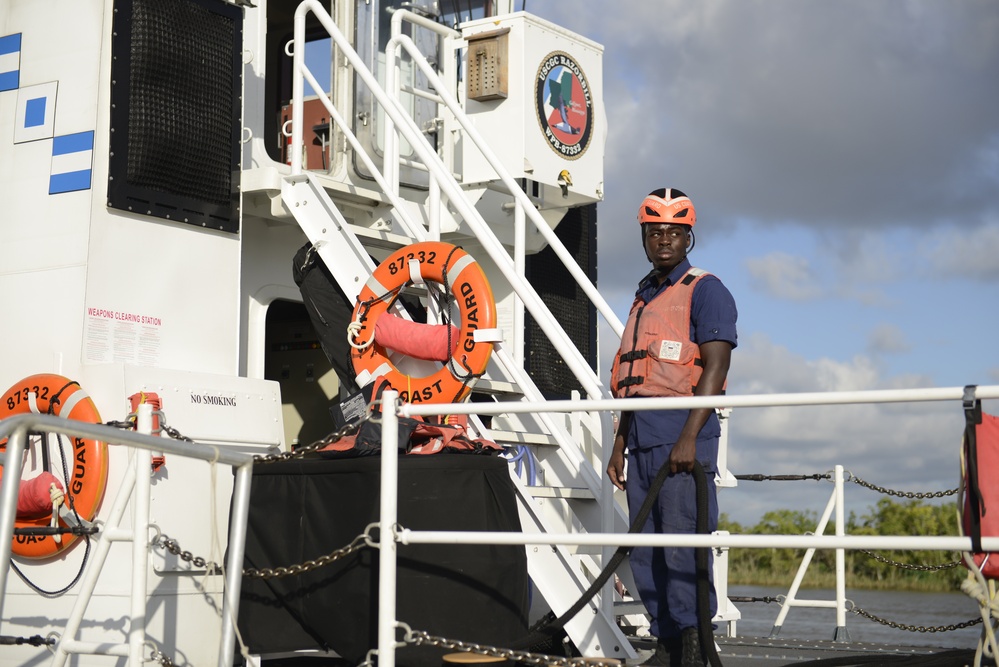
column 388, row 516
column 520, row 267
column 240, row 512
column 842, row 634
column 142, row 463
column 8, row 503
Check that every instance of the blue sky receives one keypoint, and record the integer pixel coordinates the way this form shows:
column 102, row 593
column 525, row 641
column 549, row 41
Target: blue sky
column 844, row 161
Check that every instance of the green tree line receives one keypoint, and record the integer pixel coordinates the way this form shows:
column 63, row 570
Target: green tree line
column 863, row 570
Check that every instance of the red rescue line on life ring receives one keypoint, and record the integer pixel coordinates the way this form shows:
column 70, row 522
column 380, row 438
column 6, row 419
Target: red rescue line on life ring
column 87, row 467
column 429, row 261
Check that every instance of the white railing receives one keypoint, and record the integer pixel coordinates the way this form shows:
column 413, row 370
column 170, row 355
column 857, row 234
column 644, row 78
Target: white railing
column 391, row 534
column 443, row 183
column 16, row 430
column 507, row 266
column 444, row 179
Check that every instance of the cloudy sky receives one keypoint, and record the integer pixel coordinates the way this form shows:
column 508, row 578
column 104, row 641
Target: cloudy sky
column 844, row 161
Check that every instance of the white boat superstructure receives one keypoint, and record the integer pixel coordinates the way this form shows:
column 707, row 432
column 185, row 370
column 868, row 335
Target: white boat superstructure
column 162, row 173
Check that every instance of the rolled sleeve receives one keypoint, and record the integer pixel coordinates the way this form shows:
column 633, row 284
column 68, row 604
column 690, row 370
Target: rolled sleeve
column 713, row 313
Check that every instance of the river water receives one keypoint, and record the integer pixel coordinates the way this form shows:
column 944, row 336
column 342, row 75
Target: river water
column 904, row 607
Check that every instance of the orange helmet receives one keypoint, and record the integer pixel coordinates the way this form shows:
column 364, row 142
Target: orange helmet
column 667, row 205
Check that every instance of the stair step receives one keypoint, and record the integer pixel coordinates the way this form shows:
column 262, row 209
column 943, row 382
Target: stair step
column 567, row 492
column 626, row 607
column 497, row 388
column 522, row 438
column 378, row 238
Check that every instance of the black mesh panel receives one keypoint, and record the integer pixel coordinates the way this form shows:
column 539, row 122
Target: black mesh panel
column 176, row 115
column 567, row 301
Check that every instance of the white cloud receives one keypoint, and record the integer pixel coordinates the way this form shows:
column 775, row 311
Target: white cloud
column 783, row 276
column 887, row 338
column 972, row 254
column 906, row 447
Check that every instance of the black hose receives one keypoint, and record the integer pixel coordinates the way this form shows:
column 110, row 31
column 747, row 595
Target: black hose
column 545, row 632
column 704, row 628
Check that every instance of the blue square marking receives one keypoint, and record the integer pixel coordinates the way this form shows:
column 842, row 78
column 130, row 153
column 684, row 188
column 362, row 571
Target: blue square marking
column 10, row 80
column 73, row 143
column 34, row 112
column 69, row 182
column 10, row 43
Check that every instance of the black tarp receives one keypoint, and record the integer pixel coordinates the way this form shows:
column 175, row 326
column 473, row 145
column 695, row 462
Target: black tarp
column 303, row 509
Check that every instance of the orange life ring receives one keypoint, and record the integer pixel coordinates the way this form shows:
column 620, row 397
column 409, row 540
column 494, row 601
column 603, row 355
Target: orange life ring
column 88, row 465
column 441, row 263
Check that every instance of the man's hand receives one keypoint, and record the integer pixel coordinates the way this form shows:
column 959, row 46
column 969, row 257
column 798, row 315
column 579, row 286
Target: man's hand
column 716, row 356
column 615, row 469
column 681, row 457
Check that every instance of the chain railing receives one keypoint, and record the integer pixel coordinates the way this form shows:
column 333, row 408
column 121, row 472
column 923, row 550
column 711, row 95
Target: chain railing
column 913, row 628
column 899, row 494
column 421, row 638
column 361, row 541
column 836, row 503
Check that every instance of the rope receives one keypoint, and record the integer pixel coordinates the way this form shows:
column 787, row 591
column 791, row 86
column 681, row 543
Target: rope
column 69, row 499
column 362, row 315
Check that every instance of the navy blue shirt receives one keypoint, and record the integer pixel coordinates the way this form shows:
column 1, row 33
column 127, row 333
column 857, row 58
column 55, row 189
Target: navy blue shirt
column 712, row 317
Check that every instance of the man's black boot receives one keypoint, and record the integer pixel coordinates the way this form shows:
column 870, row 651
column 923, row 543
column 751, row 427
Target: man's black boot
column 690, row 645
column 667, row 654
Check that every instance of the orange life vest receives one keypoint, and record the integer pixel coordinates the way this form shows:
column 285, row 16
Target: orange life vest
column 657, row 356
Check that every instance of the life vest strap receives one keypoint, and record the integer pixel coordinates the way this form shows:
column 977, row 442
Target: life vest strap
column 634, row 354
column 631, row 380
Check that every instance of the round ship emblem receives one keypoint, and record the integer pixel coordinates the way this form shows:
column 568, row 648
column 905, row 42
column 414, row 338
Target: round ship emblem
column 564, row 106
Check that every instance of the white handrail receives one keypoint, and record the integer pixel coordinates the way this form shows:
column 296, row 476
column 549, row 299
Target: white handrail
column 438, row 171
column 840, row 541
column 439, row 175
column 692, row 402
column 16, row 430
column 869, row 542
column 515, row 191
column 392, row 83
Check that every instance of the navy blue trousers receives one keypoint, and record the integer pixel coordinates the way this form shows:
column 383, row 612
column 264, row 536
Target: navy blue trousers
column 665, row 576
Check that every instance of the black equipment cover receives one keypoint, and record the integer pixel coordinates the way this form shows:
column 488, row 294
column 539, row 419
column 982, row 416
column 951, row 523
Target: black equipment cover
column 302, row 509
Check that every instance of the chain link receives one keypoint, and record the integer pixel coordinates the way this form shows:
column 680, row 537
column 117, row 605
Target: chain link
column 362, row 540
column 900, row 494
column 914, row 628
column 161, row 657
column 911, row 566
column 129, row 425
column 420, row 638
column 270, row 573
column 346, row 430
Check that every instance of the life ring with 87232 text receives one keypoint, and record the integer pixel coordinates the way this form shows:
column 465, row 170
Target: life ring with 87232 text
column 428, row 261
column 86, row 469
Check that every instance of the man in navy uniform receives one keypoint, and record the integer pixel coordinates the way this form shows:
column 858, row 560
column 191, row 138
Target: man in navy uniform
column 678, row 342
